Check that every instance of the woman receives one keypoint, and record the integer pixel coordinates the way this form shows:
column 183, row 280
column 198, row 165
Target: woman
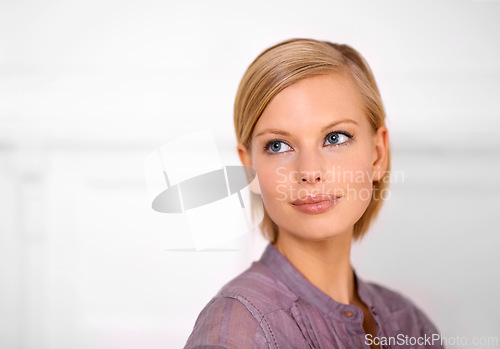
column 309, row 120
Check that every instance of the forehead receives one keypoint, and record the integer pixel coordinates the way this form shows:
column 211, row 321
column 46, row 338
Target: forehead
column 312, row 102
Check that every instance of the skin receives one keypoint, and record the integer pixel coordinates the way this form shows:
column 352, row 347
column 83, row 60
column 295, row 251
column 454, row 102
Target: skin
column 308, row 161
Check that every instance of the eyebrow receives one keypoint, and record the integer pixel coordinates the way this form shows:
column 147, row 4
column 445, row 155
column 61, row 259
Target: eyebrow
column 285, row 133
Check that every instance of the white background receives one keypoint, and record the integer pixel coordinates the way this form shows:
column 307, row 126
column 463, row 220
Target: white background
column 88, row 89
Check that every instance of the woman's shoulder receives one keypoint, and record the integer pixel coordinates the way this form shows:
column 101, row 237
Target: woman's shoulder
column 237, row 315
column 257, row 287
column 225, row 322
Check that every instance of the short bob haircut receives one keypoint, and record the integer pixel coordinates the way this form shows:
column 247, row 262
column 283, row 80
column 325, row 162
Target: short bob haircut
column 288, row 62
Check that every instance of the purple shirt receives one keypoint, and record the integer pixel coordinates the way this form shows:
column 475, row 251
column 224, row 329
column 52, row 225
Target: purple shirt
column 272, row 305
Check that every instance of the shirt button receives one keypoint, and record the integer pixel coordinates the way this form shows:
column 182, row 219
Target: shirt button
column 348, row 313
column 373, row 310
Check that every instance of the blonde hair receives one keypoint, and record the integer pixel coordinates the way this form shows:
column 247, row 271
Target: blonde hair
column 286, row 63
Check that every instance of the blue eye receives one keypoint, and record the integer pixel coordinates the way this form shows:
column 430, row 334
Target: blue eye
column 276, row 146
column 337, row 138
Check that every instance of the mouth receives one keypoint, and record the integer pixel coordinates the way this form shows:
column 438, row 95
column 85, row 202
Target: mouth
column 315, row 204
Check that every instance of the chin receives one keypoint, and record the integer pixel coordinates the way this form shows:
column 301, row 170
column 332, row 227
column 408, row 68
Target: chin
column 315, row 229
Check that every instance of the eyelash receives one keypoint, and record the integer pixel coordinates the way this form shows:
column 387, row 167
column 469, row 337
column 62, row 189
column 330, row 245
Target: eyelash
column 345, row 133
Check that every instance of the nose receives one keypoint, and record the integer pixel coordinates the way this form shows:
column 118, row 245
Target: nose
column 310, row 168
column 311, row 177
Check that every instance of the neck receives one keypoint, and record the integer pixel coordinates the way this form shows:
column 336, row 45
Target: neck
column 326, row 264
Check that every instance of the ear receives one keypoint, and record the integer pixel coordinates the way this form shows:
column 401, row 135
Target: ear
column 245, row 155
column 380, row 153
column 246, row 160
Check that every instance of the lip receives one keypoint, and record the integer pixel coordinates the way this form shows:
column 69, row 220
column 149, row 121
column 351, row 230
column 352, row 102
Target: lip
column 315, row 204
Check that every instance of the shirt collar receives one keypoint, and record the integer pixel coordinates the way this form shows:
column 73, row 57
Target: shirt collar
column 284, row 270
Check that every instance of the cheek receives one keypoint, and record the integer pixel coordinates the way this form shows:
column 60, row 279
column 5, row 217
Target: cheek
column 273, row 183
column 275, row 187
column 354, row 178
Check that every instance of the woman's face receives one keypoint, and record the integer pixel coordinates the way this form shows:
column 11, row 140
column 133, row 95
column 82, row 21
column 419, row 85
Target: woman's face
column 313, row 141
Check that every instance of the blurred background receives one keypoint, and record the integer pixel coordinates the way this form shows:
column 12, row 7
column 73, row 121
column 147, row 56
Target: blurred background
column 88, row 89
